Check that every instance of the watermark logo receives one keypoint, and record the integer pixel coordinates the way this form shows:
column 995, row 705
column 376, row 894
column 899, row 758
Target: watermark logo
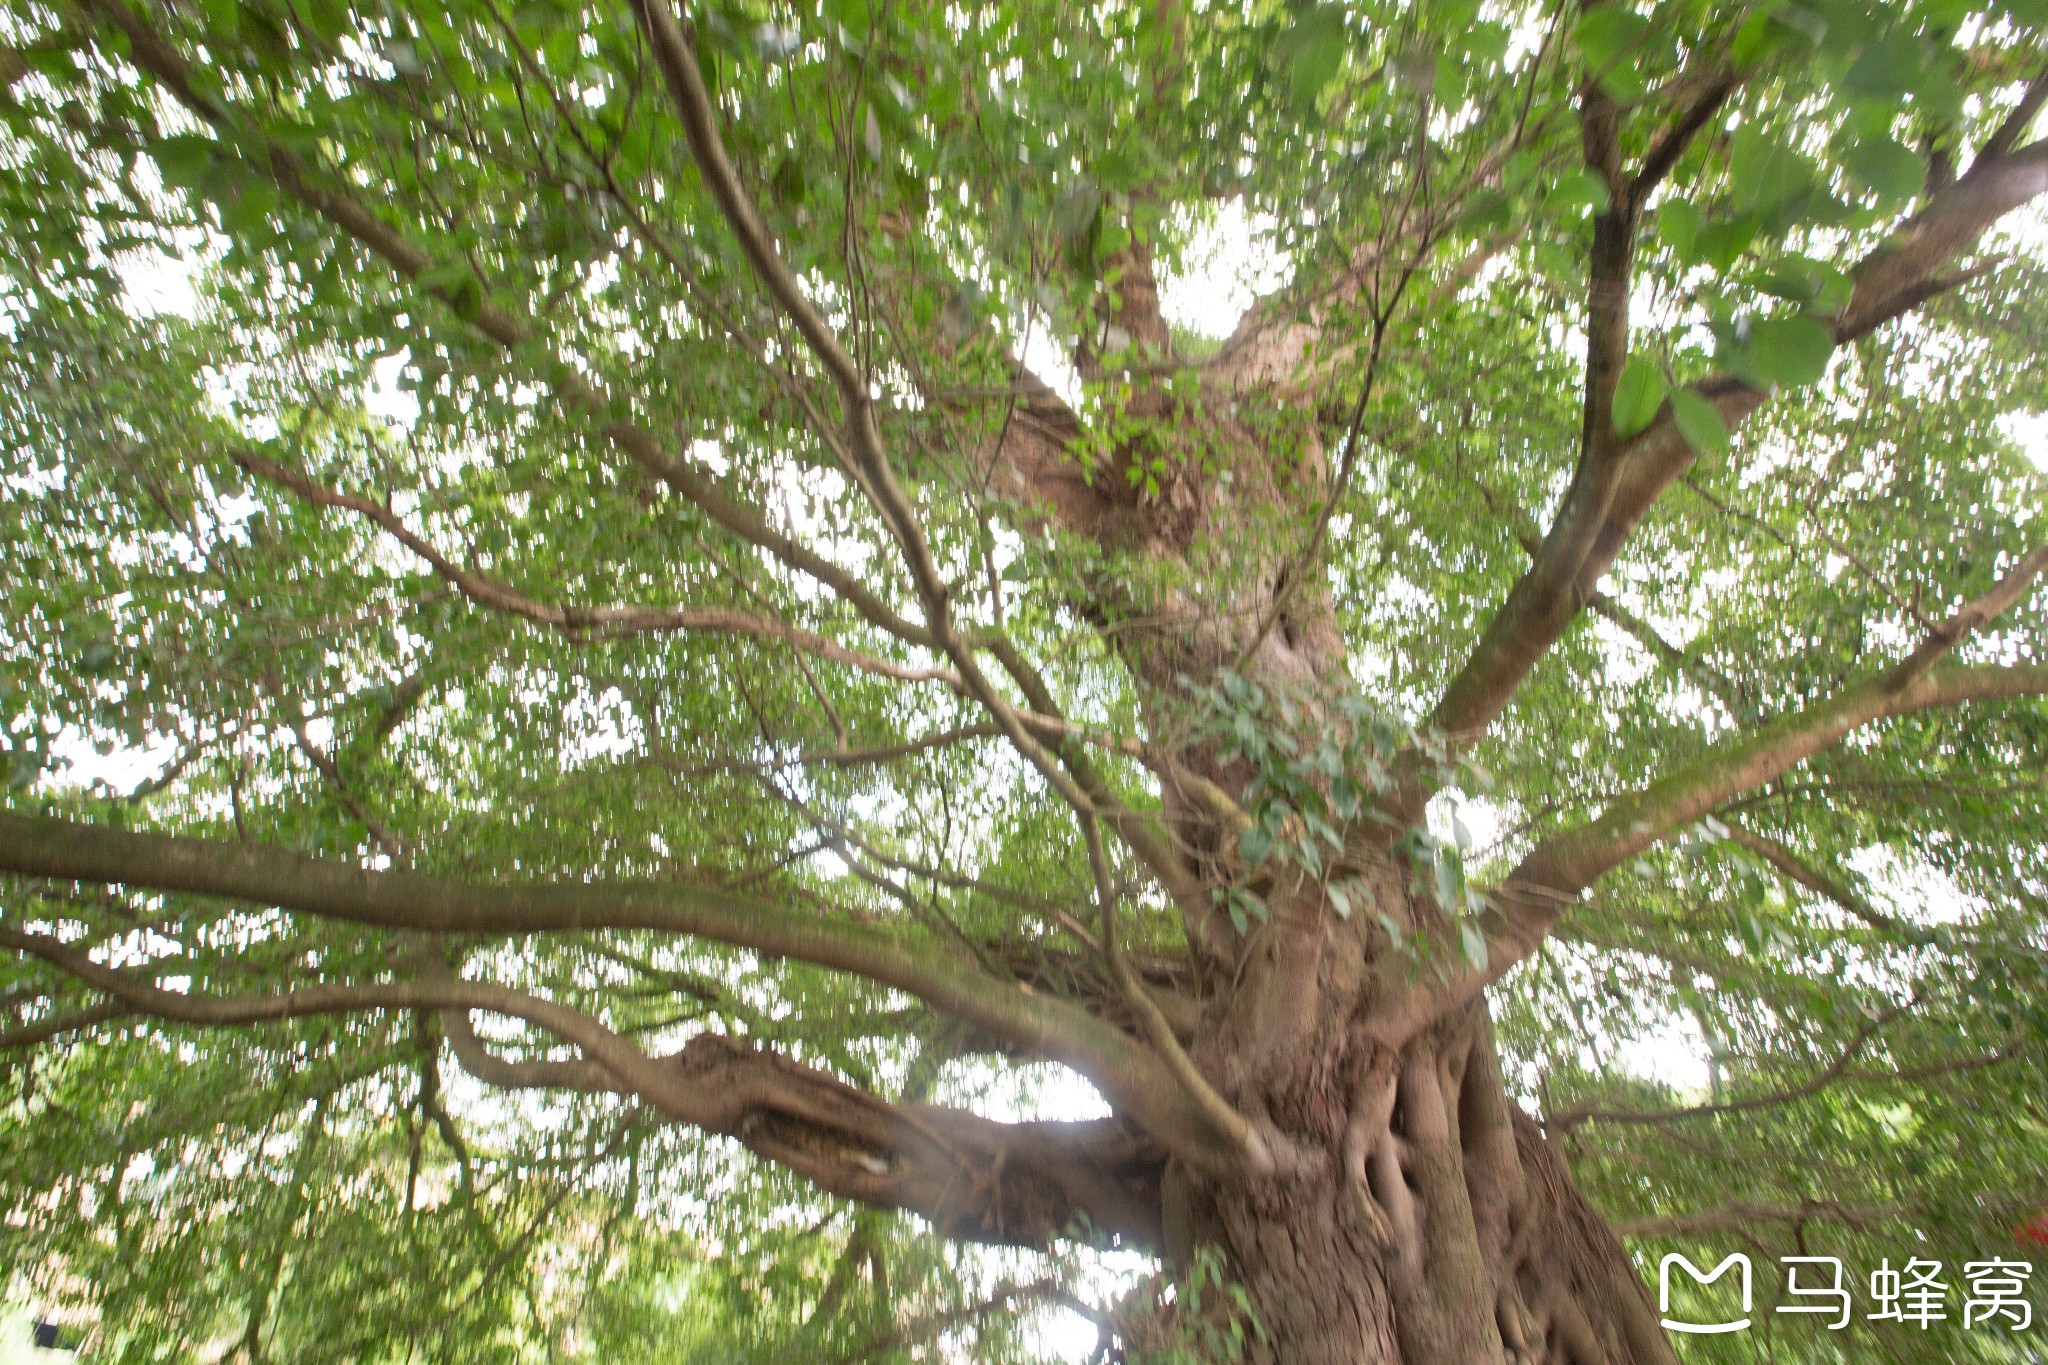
column 1915, row 1294
column 1738, row 1260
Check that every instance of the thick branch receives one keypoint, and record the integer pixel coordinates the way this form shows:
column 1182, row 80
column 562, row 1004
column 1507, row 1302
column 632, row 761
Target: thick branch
column 2008, row 133
column 1894, row 278
column 1713, row 92
column 1578, row 858
column 698, row 116
column 1709, row 679
column 534, row 1073
column 1135, row 1080
column 1029, row 461
column 1574, row 860
column 1543, row 602
column 632, row 1069
column 57, row 1023
column 1022, row 1184
column 1548, row 882
column 157, row 58
column 1803, row 873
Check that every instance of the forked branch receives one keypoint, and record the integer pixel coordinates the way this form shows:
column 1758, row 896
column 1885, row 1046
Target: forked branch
column 698, row 116
column 1130, row 1074
column 301, row 183
column 1549, row 881
column 608, row 620
column 1896, row 277
column 943, row 1163
column 1803, row 873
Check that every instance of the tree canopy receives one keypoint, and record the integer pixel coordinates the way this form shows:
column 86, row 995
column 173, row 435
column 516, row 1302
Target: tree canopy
column 698, row 632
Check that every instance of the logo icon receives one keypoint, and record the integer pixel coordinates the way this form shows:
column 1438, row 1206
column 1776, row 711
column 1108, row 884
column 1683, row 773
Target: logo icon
column 1664, row 1292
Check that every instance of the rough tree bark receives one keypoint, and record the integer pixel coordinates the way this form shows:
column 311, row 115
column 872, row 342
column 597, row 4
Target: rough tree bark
column 1436, row 1227
column 1405, row 1209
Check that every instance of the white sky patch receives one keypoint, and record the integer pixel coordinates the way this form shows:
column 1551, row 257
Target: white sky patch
column 1046, row 356
column 157, row 283
column 1061, row 1333
column 599, row 727
column 2028, row 431
column 1481, row 819
column 1675, row 1053
column 384, row 398
column 1023, row 1094
column 122, row 767
column 1228, row 266
column 1920, row 894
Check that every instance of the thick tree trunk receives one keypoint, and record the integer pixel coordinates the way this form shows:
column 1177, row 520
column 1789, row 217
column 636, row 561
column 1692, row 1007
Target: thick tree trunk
column 1412, row 1215
column 1440, row 1230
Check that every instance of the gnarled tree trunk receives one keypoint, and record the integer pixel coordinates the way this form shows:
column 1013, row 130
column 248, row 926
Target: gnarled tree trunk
column 1430, row 1225
column 1406, row 1210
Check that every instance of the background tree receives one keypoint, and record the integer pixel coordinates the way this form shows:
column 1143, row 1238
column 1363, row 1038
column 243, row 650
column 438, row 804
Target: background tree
column 618, row 809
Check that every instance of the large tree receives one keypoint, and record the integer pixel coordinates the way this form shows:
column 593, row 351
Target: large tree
column 727, row 695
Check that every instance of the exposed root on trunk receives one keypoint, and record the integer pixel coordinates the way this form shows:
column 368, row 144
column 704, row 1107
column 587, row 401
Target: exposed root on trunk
column 1442, row 1230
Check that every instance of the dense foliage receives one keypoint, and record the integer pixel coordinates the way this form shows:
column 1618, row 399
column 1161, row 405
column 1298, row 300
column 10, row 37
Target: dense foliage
column 790, row 523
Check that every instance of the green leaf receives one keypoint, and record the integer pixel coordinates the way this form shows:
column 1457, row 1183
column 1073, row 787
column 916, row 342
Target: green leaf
column 1804, row 21
column 1450, row 879
column 183, row 160
column 1891, row 169
column 1789, row 351
column 328, row 18
column 1486, row 210
column 1473, row 944
column 1312, row 53
column 249, row 209
column 1678, row 224
column 1486, row 42
column 1721, row 242
column 1638, row 393
column 1076, row 208
column 1755, row 40
column 788, row 181
column 1699, row 422
column 1769, row 30
column 1891, row 65
column 1577, row 192
column 1393, row 928
column 1607, row 34
column 1765, row 173
column 456, row 286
